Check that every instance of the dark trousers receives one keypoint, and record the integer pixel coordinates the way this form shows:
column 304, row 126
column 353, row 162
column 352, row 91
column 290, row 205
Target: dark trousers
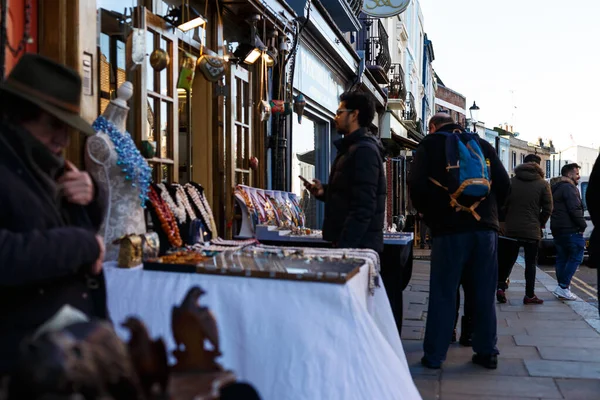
column 508, row 252
column 471, row 256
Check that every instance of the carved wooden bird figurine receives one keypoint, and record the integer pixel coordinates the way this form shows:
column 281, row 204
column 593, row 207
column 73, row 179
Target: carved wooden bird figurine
column 191, row 325
column 149, row 357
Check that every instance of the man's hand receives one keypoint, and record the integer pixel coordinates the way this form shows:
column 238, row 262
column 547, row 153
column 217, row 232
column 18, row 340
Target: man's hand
column 76, row 186
column 316, row 189
column 97, row 266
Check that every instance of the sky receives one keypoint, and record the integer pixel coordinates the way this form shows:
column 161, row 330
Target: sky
column 530, row 63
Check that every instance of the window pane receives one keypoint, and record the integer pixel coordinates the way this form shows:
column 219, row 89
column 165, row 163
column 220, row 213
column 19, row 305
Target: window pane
column 151, row 119
column 165, row 173
column 105, row 64
column 165, row 130
column 121, row 63
column 149, row 70
column 164, row 82
column 304, row 159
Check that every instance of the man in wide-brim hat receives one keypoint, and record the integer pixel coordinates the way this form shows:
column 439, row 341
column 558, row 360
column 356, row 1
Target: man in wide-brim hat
column 50, row 255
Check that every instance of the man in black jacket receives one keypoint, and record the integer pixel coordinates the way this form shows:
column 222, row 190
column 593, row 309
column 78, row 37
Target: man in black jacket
column 463, row 246
column 567, row 225
column 355, row 195
column 50, row 255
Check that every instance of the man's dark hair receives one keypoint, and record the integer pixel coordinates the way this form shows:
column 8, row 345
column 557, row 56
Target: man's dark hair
column 18, row 110
column 361, row 102
column 565, row 170
column 440, row 119
column 533, row 158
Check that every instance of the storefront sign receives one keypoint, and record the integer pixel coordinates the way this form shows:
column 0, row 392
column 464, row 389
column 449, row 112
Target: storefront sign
column 385, row 8
column 316, row 81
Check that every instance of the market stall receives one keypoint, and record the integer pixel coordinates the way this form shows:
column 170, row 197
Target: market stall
column 291, row 339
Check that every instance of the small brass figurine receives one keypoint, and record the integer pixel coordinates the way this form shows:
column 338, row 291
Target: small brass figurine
column 192, row 325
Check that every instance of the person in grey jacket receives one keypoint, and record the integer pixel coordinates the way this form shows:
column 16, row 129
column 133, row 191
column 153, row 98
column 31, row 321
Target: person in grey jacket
column 567, row 225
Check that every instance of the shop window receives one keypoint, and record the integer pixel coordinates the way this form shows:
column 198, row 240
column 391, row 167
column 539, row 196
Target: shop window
column 112, row 58
column 310, row 158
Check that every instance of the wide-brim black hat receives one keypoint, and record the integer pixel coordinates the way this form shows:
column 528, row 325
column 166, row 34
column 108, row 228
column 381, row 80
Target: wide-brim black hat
column 49, row 85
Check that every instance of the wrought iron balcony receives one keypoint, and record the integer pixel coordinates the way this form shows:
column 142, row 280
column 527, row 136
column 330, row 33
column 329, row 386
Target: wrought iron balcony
column 396, row 88
column 374, row 40
column 410, row 112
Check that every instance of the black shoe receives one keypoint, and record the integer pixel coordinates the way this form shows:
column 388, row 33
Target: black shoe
column 429, row 365
column 489, row 361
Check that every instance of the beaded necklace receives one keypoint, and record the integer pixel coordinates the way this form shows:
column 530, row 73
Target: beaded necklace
column 178, row 209
column 182, row 198
column 129, row 159
column 166, row 218
column 197, row 200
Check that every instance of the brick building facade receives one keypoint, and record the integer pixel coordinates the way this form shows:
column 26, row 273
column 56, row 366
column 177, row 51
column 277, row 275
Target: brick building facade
column 451, row 102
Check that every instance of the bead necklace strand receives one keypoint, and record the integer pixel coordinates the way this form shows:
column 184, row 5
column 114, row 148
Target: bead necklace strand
column 178, row 209
column 166, row 218
column 129, row 159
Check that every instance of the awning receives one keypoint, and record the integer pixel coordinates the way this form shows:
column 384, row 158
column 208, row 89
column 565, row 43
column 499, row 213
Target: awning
column 405, row 142
column 414, row 129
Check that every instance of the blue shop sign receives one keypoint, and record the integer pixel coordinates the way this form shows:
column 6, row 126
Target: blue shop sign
column 316, row 81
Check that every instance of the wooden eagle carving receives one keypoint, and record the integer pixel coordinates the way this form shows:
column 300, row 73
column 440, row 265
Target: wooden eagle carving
column 192, row 326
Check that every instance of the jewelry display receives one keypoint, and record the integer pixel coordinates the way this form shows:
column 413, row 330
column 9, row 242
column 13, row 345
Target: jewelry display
column 166, row 218
column 131, row 162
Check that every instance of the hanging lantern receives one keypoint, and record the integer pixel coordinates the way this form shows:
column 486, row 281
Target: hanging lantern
column 299, row 103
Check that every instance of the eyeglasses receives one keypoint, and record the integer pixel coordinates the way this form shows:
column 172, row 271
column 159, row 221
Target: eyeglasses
column 343, row 110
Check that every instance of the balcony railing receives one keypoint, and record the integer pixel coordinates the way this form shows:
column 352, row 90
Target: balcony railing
column 410, row 113
column 396, row 88
column 374, row 40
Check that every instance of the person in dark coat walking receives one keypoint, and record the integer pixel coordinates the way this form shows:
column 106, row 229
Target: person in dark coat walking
column 50, row 255
column 592, row 197
column 355, row 194
column 527, row 209
column 464, row 247
column 567, row 225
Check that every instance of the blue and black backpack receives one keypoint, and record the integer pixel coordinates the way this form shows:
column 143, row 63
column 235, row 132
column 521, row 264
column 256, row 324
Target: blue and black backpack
column 468, row 171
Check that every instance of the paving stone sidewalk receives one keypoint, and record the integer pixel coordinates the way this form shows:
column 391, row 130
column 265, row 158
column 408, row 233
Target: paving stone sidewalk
column 549, row 351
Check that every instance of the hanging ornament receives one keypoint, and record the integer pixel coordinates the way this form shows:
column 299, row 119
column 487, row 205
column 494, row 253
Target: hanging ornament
column 188, row 71
column 299, row 103
column 159, row 60
column 253, row 163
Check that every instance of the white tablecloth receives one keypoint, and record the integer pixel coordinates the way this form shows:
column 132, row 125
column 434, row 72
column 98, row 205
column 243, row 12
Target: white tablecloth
column 291, row 340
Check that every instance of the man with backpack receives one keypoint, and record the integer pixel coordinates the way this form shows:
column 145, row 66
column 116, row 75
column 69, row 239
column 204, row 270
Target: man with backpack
column 457, row 182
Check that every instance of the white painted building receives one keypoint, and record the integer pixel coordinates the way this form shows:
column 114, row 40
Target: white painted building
column 582, row 155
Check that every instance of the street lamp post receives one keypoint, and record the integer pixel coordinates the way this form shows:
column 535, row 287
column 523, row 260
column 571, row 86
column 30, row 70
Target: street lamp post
column 474, row 111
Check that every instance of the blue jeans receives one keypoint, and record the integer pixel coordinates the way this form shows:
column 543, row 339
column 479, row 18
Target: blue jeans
column 472, row 256
column 569, row 255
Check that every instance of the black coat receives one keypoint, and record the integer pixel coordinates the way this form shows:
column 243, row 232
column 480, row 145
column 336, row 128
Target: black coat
column 43, row 258
column 434, row 202
column 355, row 194
column 567, row 216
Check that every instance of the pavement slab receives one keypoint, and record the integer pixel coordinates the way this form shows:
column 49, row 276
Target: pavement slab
column 548, row 351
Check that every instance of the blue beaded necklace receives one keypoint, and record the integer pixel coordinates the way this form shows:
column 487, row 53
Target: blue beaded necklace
column 132, row 164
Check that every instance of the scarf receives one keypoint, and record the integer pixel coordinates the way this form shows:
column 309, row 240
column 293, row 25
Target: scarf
column 43, row 165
